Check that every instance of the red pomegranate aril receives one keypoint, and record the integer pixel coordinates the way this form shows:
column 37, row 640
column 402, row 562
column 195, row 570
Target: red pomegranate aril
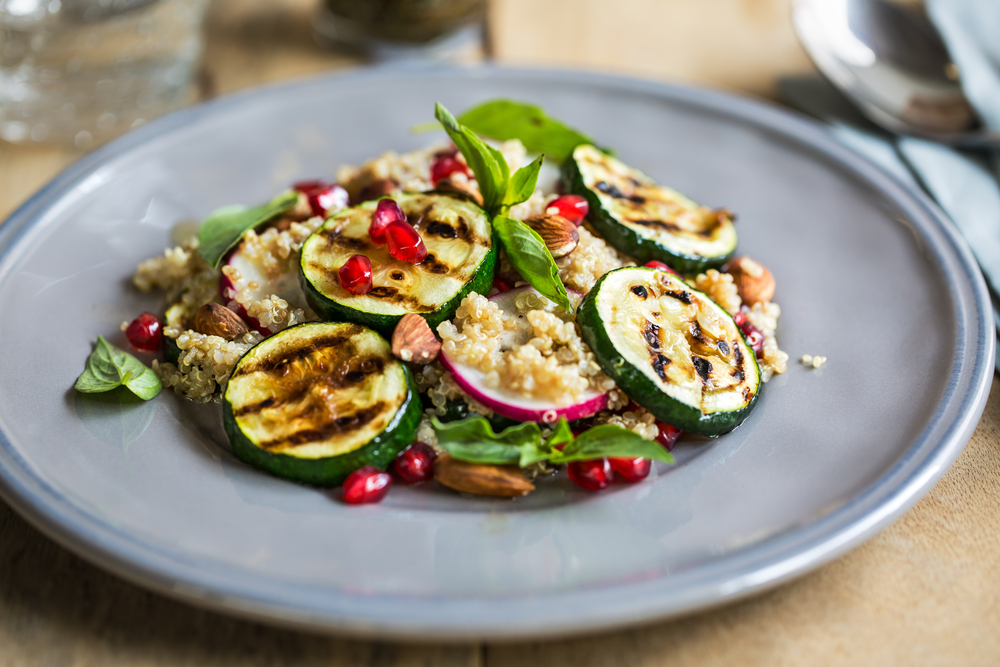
column 572, row 207
column 367, row 484
column 404, row 242
column 355, row 274
column 591, row 475
column 754, row 337
column 415, row 463
column 660, row 266
column 145, row 332
column 501, row 285
column 756, row 340
column 386, row 211
column 322, row 196
column 667, row 435
column 445, row 165
column 631, row 470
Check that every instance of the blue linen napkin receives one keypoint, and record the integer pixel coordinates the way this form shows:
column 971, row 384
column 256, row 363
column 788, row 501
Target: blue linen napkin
column 965, row 184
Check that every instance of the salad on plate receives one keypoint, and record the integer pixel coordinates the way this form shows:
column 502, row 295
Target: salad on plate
column 453, row 314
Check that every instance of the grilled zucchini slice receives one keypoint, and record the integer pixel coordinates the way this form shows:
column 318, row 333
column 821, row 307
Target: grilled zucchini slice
column 461, row 257
column 645, row 220
column 317, row 401
column 672, row 349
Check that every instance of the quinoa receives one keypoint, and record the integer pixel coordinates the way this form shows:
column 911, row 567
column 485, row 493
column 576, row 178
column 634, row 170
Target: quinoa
column 174, row 272
column 204, row 365
column 638, row 420
column 765, row 316
column 554, row 364
column 590, row 260
column 721, row 288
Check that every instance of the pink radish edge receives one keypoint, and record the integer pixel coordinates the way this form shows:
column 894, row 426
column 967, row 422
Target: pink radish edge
column 516, row 407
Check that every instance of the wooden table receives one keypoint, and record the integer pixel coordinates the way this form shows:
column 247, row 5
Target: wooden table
column 924, row 592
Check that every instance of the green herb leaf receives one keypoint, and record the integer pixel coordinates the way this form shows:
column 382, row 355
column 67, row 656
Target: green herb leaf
column 611, row 440
column 544, row 451
column 473, row 440
column 522, row 184
column 486, row 162
column 109, row 367
column 224, row 227
column 528, row 255
column 539, row 132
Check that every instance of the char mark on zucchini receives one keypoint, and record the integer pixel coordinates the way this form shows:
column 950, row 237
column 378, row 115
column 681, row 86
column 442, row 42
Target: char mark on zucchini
column 723, row 347
column 337, row 426
column 652, row 336
column 276, row 363
column 681, row 295
column 613, row 191
column 660, row 363
column 640, row 291
column 703, row 367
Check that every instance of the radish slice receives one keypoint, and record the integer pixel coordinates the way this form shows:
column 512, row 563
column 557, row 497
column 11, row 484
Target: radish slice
column 514, row 406
column 283, row 283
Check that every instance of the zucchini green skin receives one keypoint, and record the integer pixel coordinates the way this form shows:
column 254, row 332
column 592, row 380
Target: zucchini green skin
column 644, row 391
column 628, row 241
column 380, row 451
column 331, row 311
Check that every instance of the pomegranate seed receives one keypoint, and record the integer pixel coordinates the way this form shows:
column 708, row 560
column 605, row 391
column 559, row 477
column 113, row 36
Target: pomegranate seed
column 356, row 274
column 145, row 332
column 445, row 165
column 501, row 285
column 386, row 211
column 591, row 475
column 405, row 243
column 631, row 470
column 415, row 463
column 660, row 266
column 667, row 435
column 572, row 207
column 323, row 197
column 367, row 484
column 754, row 337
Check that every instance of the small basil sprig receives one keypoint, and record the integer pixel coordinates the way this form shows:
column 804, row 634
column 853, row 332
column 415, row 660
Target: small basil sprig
column 532, row 259
column 539, row 132
column 109, row 367
column 224, row 227
column 473, row 440
column 500, row 190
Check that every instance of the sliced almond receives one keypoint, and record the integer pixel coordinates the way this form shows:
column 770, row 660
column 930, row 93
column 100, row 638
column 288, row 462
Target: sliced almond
column 558, row 233
column 481, row 479
column 462, row 188
column 214, row 319
column 753, row 281
column 413, row 340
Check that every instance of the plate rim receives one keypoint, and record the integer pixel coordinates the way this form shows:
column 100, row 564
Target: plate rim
column 765, row 565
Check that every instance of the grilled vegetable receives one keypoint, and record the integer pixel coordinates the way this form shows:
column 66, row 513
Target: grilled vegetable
column 645, row 220
column 673, row 350
column 315, row 402
column 461, row 257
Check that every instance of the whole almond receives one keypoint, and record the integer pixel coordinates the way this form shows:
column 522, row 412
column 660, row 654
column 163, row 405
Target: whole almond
column 558, row 233
column 449, row 185
column 413, row 340
column 753, row 281
column 376, row 189
column 481, row 479
column 214, row 319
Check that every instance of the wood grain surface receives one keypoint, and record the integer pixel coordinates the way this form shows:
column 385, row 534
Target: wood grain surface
column 924, row 592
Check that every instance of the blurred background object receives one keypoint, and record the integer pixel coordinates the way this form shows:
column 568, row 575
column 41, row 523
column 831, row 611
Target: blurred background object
column 81, row 71
column 449, row 30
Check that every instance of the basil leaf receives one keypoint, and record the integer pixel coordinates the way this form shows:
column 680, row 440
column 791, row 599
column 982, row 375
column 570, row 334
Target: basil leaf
column 522, row 184
column 224, row 227
column 539, row 132
column 611, row 440
column 486, row 162
column 146, row 385
column 528, row 255
column 473, row 440
column 109, row 367
column 544, row 451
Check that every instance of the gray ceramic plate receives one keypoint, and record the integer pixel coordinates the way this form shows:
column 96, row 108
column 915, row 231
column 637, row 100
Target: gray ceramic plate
column 868, row 274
